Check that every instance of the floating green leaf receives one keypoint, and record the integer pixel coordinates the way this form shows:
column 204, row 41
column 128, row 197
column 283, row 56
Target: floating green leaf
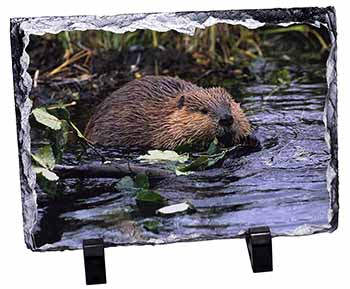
column 64, row 131
column 44, row 157
column 148, row 202
column 199, row 163
column 142, row 182
column 46, row 180
column 214, row 147
column 154, row 156
column 46, row 173
column 42, row 116
column 63, row 113
column 125, row 183
column 152, row 226
column 280, row 77
column 149, row 196
column 58, row 140
column 178, row 172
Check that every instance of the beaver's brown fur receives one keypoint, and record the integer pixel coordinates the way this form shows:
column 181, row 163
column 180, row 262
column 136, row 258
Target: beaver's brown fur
column 165, row 113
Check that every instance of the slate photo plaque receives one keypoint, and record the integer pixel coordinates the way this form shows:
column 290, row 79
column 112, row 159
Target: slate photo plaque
column 167, row 127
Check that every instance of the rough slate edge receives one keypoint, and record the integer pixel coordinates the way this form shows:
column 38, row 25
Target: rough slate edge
column 184, row 22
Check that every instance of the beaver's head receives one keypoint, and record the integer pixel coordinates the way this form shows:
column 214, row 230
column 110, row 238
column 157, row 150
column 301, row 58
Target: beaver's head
column 200, row 115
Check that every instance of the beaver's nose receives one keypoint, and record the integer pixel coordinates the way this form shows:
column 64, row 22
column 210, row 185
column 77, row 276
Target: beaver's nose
column 226, row 120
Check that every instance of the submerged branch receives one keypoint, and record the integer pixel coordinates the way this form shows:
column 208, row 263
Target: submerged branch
column 109, row 171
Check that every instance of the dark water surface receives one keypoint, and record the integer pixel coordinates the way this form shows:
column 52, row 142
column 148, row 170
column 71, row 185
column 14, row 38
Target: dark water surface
column 282, row 186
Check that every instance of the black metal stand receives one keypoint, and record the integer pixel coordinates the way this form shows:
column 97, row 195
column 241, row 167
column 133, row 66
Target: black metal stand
column 259, row 243
column 94, row 260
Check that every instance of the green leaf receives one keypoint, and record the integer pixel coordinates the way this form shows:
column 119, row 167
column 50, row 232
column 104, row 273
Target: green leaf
column 44, row 157
column 64, row 132
column 46, row 180
column 154, row 156
column 178, row 172
column 149, row 196
column 42, row 116
column 63, row 113
column 58, row 140
column 152, row 226
column 46, row 173
column 214, row 147
column 125, row 183
column 280, row 77
column 199, row 163
column 142, row 182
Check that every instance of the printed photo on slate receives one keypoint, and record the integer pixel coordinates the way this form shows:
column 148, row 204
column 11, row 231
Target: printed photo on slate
column 167, row 127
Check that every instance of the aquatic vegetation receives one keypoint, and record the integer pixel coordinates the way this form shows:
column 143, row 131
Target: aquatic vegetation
column 213, row 47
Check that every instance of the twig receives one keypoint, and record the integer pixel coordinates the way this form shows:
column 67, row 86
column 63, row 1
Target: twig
column 35, row 78
column 66, row 81
column 69, row 61
column 56, row 106
column 77, row 66
column 91, row 146
column 109, row 171
column 208, row 72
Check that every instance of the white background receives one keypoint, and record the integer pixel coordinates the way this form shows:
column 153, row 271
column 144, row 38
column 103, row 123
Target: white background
column 318, row 261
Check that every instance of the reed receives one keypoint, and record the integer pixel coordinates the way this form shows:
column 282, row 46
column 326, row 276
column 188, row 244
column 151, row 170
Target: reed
column 218, row 45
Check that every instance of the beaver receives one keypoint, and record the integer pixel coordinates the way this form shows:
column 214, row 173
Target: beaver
column 165, row 112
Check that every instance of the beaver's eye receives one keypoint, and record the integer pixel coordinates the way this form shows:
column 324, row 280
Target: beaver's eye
column 203, row 110
column 181, row 102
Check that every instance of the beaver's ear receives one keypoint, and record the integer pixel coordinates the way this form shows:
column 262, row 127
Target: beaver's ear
column 181, row 102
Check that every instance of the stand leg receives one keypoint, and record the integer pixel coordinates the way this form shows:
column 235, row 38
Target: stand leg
column 259, row 243
column 94, row 260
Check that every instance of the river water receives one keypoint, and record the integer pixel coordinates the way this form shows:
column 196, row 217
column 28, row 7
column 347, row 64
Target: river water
column 282, row 186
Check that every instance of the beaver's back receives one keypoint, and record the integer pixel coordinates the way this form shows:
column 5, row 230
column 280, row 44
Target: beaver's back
column 128, row 113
